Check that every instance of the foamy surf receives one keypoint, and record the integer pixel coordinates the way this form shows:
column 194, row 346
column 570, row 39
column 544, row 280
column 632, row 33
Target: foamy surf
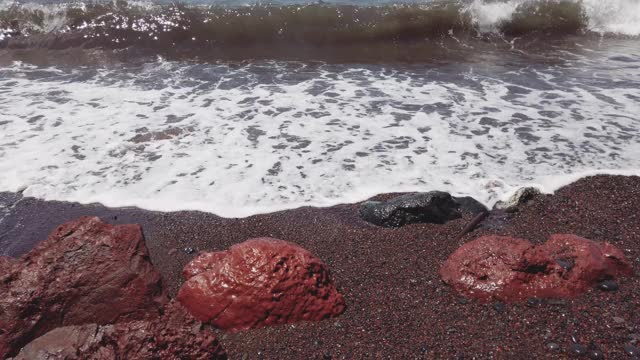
column 242, row 139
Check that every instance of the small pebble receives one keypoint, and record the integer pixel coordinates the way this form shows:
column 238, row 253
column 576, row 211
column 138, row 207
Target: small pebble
column 578, row 349
column 424, row 350
column 531, row 302
column 558, row 302
column 617, row 319
column 608, row 285
column 499, row 307
column 463, row 301
column 632, row 350
column 565, row 264
column 596, row 354
column 189, row 250
column 553, row 346
column 326, row 356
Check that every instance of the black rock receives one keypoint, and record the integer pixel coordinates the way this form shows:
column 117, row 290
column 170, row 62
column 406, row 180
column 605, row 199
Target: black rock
column 557, row 302
column 470, row 205
column 523, row 195
column 432, row 207
column 578, row 349
column 499, row 307
column 565, row 264
column 596, row 354
column 632, row 351
column 189, row 250
column 531, row 302
column 553, row 346
column 608, row 285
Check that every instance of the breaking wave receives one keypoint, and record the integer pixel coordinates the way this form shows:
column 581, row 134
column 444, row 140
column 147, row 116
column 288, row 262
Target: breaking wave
column 276, row 29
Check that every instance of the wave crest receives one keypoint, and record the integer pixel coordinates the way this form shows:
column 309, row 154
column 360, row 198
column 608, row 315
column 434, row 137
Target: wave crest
column 262, row 27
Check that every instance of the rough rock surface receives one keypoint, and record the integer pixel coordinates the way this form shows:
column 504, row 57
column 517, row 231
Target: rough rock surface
column 257, row 283
column 6, row 263
column 174, row 335
column 511, row 269
column 87, row 271
column 521, row 196
column 470, row 205
column 431, row 207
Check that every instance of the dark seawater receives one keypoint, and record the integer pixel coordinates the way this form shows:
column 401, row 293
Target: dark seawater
column 239, row 108
column 359, row 32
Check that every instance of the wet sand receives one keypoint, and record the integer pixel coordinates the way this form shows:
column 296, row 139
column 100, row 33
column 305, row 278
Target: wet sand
column 397, row 307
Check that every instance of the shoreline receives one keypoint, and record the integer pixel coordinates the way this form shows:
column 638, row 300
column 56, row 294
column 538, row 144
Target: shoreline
column 495, row 191
column 397, row 307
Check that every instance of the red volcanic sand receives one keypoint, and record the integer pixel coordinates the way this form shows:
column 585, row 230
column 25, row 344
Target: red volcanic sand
column 174, row 335
column 257, row 283
column 511, row 269
column 87, row 271
column 398, row 306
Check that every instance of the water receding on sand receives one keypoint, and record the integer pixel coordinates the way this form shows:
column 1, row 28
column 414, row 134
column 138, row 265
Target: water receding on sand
column 241, row 138
column 238, row 109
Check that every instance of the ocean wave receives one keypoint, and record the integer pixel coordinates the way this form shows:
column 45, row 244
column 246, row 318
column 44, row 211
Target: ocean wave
column 219, row 29
column 240, row 139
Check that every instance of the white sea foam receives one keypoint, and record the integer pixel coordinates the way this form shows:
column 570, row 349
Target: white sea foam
column 604, row 16
column 489, row 15
column 238, row 141
column 614, row 16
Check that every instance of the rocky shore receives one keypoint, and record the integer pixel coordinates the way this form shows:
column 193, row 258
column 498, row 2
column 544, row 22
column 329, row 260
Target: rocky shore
column 389, row 277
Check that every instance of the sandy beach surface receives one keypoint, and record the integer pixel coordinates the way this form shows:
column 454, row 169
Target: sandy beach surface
column 397, row 305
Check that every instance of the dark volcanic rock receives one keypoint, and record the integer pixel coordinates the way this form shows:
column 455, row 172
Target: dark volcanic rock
column 510, row 269
column 432, row 207
column 87, row 271
column 470, row 205
column 521, row 196
column 632, row 351
column 174, row 335
column 257, row 283
column 608, row 285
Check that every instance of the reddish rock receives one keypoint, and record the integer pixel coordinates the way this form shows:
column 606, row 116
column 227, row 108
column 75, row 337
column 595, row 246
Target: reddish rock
column 175, row 335
column 5, row 264
column 87, row 271
column 257, row 283
column 508, row 269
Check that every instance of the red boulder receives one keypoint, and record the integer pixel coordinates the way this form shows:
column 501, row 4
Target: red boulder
column 257, row 283
column 87, row 271
column 5, row 264
column 509, row 269
column 174, row 335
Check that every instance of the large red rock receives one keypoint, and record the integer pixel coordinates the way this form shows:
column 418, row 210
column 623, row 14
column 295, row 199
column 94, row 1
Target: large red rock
column 174, row 335
column 257, row 283
column 87, row 271
column 509, row 269
column 5, row 264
